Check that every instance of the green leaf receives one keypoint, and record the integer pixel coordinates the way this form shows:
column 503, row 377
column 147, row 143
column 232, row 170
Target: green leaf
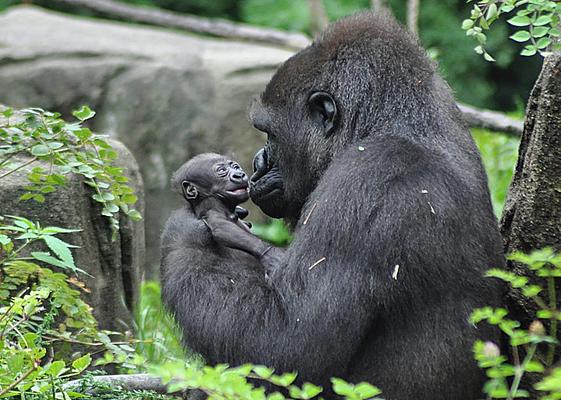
column 263, row 372
column 134, row 215
column 534, row 366
column 40, row 150
column 492, row 11
column 540, row 31
column 342, row 388
column 521, row 36
column 529, row 51
column 83, row 113
column 284, row 380
column 83, row 134
column 467, row 24
column 4, row 240
column 543, row 20
column 531, row 291
column 520, row 20
column 61, row 249
column 309, row 390
column 82, row 363
column 488, row 57
column 506, row 8
column 15, row 362
column 543, row 43
column 48, row 258
column 275, row 396
column 8, row 112
column 366, row 390
column 55, row 368
column 56, row 229
column 129, row 198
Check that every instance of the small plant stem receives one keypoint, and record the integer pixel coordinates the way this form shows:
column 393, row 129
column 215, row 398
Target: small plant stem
column 515, row 355
column 93, row 344
column 5, row 160
column 553, row 322
column 519, row 371
column 20, row 379
column 19, row 167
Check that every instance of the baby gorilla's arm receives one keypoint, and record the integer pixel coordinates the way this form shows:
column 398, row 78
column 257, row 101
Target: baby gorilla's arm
column 227, row 233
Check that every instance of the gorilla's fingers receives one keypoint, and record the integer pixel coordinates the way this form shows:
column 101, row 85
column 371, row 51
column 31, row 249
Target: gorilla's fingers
column 241, row 212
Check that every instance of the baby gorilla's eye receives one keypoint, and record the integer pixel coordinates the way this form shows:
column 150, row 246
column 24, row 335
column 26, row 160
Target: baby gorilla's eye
column 236, row 166
column 221, row 170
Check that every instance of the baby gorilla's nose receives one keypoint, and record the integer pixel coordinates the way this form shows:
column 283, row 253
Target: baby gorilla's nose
column 239, row 177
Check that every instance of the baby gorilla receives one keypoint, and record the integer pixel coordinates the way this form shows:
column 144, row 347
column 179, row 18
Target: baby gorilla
column 214, row 186
column 212, row 183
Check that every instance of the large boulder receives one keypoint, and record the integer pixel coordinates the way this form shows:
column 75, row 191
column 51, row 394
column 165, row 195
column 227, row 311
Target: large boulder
column 116, row 266
column 166, row 95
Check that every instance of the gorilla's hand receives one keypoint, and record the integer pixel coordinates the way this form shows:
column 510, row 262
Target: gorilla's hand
column 241, row 212
column 229, row 234
column 266, row 186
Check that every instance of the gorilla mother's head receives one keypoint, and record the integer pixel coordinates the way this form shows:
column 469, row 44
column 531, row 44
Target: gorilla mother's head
column 365, row 77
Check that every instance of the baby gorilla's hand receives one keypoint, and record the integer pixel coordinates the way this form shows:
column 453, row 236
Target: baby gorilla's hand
column 242, row 213
column 229, row 234
column 224, row 231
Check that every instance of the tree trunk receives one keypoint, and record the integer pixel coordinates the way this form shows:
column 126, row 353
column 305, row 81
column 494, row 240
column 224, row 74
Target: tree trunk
column 377, row 4
column 532, row 214
column 413, row 15
column 318, row 17
column 169, row 19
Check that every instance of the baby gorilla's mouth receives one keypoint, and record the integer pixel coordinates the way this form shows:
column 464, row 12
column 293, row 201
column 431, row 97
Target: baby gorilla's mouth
column 240, row 191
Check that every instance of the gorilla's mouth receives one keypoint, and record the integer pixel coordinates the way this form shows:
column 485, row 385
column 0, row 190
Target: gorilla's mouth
column 240, row 190
column 240, row 193
column 268, row 193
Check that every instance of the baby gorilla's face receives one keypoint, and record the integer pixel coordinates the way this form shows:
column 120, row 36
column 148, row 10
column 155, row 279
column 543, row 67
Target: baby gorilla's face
column 230, row 181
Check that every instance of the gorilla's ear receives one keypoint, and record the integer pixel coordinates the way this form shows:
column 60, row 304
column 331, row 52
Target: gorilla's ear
column 189, row 190
column 324, row 110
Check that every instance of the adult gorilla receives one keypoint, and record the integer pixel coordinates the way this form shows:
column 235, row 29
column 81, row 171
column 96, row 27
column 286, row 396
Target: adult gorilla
column 368, row 158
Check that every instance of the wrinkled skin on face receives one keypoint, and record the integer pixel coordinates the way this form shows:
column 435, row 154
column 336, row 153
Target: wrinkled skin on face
column 301, row 125
column 212, row 175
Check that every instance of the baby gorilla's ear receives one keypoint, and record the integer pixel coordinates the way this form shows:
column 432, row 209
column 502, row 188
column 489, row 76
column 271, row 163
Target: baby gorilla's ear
column 189, row 190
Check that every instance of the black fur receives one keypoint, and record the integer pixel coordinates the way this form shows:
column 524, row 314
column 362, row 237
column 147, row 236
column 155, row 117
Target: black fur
column 397, row 181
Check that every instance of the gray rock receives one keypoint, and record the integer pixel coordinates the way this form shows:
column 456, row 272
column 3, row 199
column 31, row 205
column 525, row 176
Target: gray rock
column 166, row 95
column 116, row 266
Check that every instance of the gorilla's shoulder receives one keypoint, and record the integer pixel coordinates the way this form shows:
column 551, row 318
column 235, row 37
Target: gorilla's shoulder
column 399, row 168
column 182, row 228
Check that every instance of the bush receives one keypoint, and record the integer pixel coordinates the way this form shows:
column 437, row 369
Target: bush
column 46, row 329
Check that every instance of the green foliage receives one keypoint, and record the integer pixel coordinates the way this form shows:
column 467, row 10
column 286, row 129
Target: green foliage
column 499, row 153
column 41, row 314
column 159, row 335
column 106, row 391
column 533, row 348
column 538, row 22
column 275, row 232
column 222, row 382
column 46, row 329
column 65, row 148
column 294, row 15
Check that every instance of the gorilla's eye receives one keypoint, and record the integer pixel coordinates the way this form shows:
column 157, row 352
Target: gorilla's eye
column 221, row 170
column 236, row 166
column 323, row 110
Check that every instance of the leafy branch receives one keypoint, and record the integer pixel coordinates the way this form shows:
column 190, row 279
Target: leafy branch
column 538, row 20
column 57, row 149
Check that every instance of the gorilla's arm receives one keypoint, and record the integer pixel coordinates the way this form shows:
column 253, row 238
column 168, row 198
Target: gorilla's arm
column 229, row 234
column 304, row 317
